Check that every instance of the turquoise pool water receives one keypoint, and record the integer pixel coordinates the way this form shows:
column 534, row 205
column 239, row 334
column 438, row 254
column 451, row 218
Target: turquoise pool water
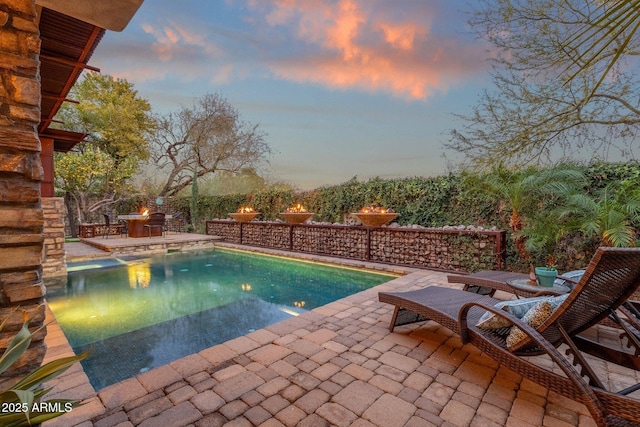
column 140, row 313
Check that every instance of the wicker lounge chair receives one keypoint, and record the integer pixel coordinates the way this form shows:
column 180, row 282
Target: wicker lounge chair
column 611, row 277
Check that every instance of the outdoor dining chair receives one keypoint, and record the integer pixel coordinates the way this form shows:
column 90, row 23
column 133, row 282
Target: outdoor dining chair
column 107, row 227
column 156, row 220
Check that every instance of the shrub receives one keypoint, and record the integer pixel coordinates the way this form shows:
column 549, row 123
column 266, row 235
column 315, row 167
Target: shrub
column 22, row 398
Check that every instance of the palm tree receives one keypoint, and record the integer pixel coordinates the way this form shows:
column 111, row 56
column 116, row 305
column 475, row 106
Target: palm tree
column 611, row 216
column 525, row 191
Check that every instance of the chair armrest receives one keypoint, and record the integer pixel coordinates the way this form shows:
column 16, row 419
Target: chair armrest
column 464, row 310
column 565, row 365
column 546, row 294
column 568, row 279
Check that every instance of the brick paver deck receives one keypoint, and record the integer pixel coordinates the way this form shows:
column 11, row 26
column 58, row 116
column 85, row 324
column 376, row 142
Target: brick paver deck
column 337, row 365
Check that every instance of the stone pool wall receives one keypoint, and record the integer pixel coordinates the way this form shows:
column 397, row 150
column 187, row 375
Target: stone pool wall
column 441, row 249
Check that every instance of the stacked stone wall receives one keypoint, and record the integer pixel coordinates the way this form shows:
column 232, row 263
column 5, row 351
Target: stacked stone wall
column 54, row 262
column 450, row 250
column 21, row 216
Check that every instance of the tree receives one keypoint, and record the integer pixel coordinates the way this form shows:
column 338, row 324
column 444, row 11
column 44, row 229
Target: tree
column 110, row 111
column 118, row 124
column 610, row 216
column 528, row 193
column 85, row 174
column 540, row 107
column 193, row 203
column 615, row 28
column 245, row 181
column 205, row 138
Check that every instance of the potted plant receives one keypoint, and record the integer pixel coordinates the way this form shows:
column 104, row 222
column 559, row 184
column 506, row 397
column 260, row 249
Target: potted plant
column 547, row 275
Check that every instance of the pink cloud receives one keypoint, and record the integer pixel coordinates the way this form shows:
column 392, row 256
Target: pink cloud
column 402, row 36
column 173, row 39
column 367, row 45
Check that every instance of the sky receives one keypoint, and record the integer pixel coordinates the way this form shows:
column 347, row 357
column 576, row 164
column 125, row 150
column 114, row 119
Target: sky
column 340, row 88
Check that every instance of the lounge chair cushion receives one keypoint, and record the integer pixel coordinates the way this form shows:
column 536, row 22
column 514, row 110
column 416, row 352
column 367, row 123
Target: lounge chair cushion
column 535, row 317
column 574, row 275
column 517, row 307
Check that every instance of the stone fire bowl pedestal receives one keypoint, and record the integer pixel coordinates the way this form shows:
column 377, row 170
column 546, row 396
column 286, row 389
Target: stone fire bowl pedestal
column 296, row 217
column 374, row 219
column 244, row 216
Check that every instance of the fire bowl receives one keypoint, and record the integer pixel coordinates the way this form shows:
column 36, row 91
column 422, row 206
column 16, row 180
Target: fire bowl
column 374, row 219
column 296, row 217
column 244, row 216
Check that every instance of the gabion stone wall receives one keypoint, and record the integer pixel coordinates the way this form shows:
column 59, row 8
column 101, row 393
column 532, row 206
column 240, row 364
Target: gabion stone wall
column 340, row 241
column 440, row 249
column 269, row 234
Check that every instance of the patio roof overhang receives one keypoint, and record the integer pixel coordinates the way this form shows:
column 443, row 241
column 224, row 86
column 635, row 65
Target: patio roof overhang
column 70, row 31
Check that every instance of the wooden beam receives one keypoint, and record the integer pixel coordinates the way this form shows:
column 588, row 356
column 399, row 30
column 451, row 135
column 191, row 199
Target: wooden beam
column 70, row 62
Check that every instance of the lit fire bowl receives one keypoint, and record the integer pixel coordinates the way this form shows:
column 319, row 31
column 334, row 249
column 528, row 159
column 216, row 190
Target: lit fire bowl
column 374, row 219
column 296, row 217
column 244, row 216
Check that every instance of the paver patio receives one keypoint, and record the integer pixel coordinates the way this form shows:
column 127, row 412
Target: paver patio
column 335, row 365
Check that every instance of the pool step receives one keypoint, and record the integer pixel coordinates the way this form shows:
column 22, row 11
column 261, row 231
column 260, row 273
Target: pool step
column 116, row 246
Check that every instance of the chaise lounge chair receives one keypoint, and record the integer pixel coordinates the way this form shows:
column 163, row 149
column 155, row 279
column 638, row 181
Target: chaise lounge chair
column 612, row 276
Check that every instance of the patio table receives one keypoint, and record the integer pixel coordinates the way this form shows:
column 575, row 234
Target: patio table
column 136, row 223
column 528, row 288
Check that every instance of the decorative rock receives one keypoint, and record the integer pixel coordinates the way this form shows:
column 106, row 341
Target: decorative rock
column 407, row 245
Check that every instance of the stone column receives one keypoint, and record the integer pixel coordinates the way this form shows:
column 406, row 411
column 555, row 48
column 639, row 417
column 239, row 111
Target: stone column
column 21, row 216
column 54, row 263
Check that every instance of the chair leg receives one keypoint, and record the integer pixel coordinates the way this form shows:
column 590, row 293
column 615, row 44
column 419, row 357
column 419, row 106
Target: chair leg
column 578, row 359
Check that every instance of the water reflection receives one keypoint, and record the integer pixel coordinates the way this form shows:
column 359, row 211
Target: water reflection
column 139, row 275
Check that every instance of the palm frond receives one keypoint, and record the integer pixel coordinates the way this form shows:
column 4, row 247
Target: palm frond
column 616, row 25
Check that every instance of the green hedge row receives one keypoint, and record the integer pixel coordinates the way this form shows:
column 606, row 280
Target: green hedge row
column 426, row 201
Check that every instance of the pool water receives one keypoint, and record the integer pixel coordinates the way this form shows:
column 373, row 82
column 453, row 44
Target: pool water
column 139, row 313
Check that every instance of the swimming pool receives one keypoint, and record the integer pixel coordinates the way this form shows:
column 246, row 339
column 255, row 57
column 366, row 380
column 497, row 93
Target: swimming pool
column 139, row 313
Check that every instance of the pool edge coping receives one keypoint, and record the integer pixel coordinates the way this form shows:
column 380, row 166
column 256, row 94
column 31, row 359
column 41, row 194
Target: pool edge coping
column 75, row 384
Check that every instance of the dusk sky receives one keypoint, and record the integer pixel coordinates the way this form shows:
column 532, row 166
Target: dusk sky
column 341, row 88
